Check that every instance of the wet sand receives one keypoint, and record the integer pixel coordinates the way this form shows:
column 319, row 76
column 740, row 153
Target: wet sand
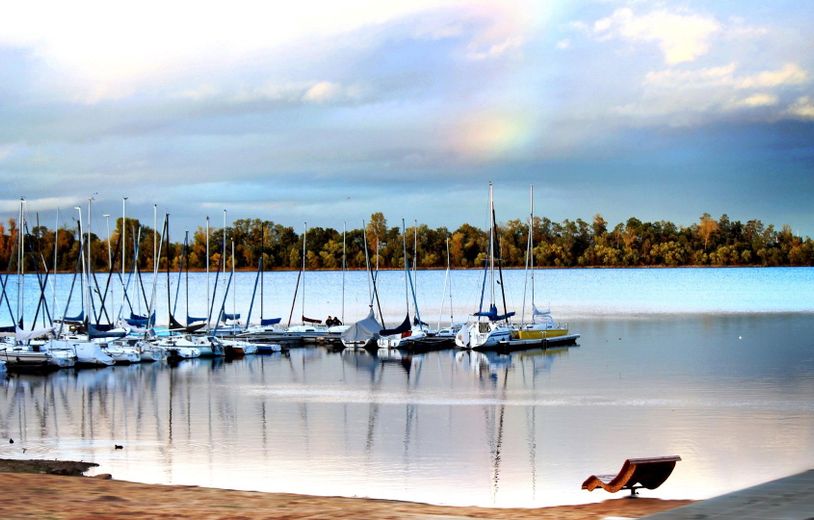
column 42, row 494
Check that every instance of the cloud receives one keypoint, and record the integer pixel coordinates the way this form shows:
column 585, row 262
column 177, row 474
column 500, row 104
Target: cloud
column 563, row 44
column 789, row 74
column 322, row 92
column 494, row 50
column 757, row 100
column 103, row 51
column 292, row 93
column 802, row 108
column 681, row 37
column 693, row 96
column 44, row 203
column 725, row 76
column 6, row 150
column 682, row 78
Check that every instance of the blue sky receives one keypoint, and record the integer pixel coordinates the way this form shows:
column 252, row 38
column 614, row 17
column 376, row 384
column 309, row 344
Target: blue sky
column 329, row 111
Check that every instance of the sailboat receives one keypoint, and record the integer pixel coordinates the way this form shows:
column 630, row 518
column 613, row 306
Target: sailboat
column 98, row 333
column 542, row 330
column 487, row 329
column 266, row 324
column 365, row 332
column 175, row 347
column 87, row 352
column 207, row 346
column 232, row 347
column 19, row 354
column 408, row 332
column 310, row 328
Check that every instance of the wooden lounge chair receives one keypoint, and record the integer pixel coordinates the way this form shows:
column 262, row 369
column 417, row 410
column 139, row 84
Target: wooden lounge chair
column 635, row 474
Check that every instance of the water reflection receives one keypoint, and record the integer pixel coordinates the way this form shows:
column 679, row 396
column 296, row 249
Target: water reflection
column 444, row 427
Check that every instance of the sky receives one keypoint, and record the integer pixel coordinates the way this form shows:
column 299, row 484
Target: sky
column 326, row 112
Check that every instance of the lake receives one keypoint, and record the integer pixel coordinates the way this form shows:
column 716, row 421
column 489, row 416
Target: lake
column 714, row 365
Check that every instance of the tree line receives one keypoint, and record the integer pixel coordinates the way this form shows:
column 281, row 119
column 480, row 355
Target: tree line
column 570, row 243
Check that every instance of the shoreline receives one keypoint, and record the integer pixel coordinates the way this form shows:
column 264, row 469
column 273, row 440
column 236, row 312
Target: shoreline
column 39, row 492
column 443, row 268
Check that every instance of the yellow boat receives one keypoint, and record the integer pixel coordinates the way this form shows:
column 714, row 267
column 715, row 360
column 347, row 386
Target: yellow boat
column 538, row 333
column 542, row 326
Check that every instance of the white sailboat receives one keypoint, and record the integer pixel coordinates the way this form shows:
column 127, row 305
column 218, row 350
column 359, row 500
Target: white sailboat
column 309, row 327
column 20, row 352
column 487, row 329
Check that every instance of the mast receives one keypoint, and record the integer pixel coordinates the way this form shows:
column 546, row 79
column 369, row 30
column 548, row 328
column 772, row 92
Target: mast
column 186, row 273
column 302, row 301
column 444, row 292
column 124, row 250
column 344, row 231
column 166, row 232
column 450, row 286
column 207, row 270
column 89, row 242
column 124, row 236
column 529, row 248
column 151, row 305
column 155, row 237
column 531, row 245
column 224, row 242
column 491, row 247
column 499, row 265
column 234, row 293
column 56, row 251
column 406, row 268
column 20, row 262
column 262, row 268
column 109, row 259
column 83, row 275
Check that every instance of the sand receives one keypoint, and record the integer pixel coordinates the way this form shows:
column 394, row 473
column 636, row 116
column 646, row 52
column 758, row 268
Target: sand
column 42, row 495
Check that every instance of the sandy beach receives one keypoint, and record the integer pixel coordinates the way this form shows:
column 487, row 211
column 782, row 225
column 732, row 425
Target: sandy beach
column 43, row 495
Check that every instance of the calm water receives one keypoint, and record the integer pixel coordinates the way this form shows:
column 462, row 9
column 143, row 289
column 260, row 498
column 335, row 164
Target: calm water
column 721, row 372
column 571, row 293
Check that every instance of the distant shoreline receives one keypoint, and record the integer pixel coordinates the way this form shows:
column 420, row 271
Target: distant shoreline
column 541, row 268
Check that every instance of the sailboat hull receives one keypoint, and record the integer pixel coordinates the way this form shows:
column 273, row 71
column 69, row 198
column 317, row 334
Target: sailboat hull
column 512, row 345
column 539, row 334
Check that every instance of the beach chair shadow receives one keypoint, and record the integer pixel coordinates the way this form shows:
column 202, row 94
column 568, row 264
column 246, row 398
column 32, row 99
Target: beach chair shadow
column 635, row 474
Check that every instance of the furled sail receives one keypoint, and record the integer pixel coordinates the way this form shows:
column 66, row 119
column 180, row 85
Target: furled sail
column 404, row 327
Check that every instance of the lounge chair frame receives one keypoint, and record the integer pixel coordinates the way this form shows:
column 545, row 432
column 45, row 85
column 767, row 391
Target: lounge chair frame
column 635, row 474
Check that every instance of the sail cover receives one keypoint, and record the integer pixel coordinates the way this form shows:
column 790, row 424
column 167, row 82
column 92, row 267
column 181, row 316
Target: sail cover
column 24, row 336
column 80, row 318
column 95, row 332
column 136, row 320
column 493, row 315
column 404, row 327
column 363, row 330
column 269, row 321
column 174, row 325
column 306, row 319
